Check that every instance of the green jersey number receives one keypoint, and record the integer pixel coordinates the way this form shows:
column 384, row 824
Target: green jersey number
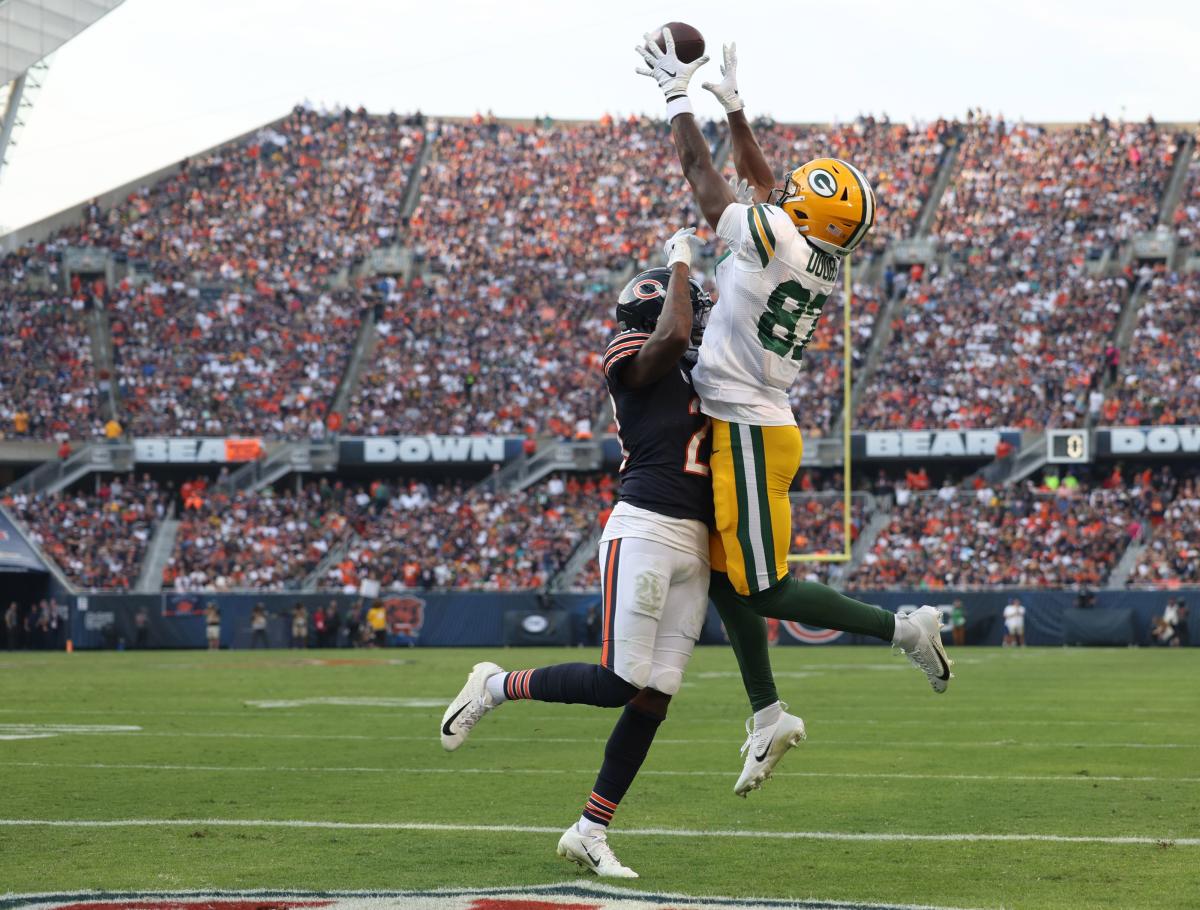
column 790, row 319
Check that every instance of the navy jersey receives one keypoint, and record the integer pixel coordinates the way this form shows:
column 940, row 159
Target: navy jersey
column 665, row 440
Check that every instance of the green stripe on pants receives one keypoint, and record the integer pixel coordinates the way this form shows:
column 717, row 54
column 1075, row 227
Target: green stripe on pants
column 764, row 503
column 743, row 507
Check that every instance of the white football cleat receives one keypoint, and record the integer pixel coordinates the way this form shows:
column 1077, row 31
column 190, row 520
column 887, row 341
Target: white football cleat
column 921, row 642
column 469, row 705
column 592, row 852
column 764, row 748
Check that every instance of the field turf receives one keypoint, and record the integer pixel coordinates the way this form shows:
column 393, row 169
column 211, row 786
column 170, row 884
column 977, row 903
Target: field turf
column 1095, row 744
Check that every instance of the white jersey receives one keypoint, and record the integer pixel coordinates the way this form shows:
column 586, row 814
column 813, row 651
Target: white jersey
column 771, row 286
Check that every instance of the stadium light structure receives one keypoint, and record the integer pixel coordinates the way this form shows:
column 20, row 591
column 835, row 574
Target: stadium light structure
column 30, row 31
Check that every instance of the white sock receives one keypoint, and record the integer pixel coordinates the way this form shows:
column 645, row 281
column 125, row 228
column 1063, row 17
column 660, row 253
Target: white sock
column 589, row 828
column 903, row 635
column 495, row 688
column 768, row 715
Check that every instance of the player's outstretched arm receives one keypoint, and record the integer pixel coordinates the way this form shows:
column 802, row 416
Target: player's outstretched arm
column 672, row 334
column 712, row 194
column 748, row 156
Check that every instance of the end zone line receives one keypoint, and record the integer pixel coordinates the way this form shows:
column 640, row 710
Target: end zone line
column 841, row 775
column 884, row 836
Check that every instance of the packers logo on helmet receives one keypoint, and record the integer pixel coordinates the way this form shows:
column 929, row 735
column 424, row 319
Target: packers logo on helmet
column 830, row 202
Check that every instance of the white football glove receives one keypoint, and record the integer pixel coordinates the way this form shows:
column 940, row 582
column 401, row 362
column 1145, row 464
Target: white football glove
column 683, row 245
column 726, row 90
column 671, row 74
column 742, row 191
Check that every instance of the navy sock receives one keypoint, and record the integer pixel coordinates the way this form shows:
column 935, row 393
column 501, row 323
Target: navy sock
column 570, row 684
column 623, row 756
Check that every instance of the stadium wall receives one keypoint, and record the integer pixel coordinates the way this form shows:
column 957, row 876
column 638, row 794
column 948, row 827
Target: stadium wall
column 479, row 619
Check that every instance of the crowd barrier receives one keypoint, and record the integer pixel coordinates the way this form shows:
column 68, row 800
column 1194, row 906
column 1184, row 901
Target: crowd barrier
column 467, row 619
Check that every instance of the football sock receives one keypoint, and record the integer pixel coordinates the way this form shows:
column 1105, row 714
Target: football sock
column 589, row 828
column 905, row 635
column 570, row 684
column 820, row 605
column 623, row 756
column 495, row 688
column 748, row 637
column 768, row 715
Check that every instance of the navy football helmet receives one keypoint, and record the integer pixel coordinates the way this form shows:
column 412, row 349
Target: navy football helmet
column 641, row 303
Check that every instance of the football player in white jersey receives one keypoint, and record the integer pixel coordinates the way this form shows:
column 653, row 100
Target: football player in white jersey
column 785, row 252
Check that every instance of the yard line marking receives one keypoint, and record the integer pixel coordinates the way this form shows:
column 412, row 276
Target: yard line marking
column 841, row 775
column 880, row 744
column 627, row 832
column 553, row 715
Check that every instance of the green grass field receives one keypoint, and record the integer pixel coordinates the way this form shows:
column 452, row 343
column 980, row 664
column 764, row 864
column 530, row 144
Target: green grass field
column 1098, row 744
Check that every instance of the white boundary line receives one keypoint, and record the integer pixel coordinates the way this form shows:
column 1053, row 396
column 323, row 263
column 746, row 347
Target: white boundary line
column 884, row 836
column 869, row 743
column 1074, row 721
column 841, row 775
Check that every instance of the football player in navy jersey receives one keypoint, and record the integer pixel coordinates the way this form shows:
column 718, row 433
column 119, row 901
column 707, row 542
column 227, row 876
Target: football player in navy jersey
column 654, row 561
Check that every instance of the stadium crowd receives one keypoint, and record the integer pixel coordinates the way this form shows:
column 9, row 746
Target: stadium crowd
column 901, row 162
column 1059, row 533
column 48, row 389
column 1014, row 331
column 445, row 537
column 1161, row 381
column 1172, row 553
column 97, row 538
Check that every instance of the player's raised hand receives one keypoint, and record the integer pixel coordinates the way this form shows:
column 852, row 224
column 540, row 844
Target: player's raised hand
column 682, row 247
column 671, row 73
column 727, row 89
column 742, row 191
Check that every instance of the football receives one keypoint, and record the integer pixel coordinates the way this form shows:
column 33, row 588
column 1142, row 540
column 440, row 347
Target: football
column 689, row 43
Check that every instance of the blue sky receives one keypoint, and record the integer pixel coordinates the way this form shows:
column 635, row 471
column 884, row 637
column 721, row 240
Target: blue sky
column 160, row 79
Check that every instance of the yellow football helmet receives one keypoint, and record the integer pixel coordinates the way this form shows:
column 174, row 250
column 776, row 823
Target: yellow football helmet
column 830, row 202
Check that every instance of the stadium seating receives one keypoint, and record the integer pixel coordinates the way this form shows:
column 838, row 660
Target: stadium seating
column 901, row 162
column 48, row 388
column 1026, row 211
column 1012, row 536
column 442, row 537
column 99, row 538
column 1161, row 382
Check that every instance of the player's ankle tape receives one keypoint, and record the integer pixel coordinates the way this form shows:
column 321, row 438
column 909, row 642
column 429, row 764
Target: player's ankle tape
column 678, row 105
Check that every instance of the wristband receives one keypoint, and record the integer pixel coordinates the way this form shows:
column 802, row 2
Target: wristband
column 680, row 252
column 677, row 106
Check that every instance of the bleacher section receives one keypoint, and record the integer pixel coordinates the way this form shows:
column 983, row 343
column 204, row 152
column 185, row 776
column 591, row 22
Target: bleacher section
column 484, row 257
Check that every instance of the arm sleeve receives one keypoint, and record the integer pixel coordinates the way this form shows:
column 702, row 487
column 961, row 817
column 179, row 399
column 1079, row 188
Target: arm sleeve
column 749, row 232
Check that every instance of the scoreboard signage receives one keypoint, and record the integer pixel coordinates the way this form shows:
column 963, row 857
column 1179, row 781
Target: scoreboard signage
column 196, row 450
column 927, row 444
column 428, row 450
column 1149, row 441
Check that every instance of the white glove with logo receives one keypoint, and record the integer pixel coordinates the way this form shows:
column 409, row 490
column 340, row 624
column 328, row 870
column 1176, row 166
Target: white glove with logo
column 726, row 90
column 671, row 74
column 683, row 245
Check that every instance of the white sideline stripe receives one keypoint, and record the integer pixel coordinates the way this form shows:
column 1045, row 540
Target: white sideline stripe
column 840, row 775
column 625, row 832
column 881, row 743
